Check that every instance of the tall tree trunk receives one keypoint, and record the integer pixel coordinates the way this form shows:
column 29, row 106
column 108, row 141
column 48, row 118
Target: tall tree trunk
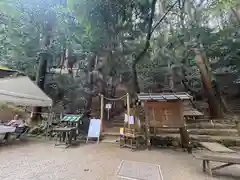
column 62, row 58
column 69, row 62
column 42, row 70
column 91, row 66
column 170, row 76
column 41, row 76
column 214, row 105
column 139, row 57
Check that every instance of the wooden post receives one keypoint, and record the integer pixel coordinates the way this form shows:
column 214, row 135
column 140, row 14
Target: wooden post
column 185, row 139
column 147, row 128
column 128, row 108
column 154, row 119
column 102, row 109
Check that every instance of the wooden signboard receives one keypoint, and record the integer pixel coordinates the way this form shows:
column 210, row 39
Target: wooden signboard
column 165, row 114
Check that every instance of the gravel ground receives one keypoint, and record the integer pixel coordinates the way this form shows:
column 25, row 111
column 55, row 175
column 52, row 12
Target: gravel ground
column 43, row 161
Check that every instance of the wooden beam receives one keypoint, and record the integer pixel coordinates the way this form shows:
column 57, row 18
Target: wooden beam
column 147, row 128
column 128, row 108
column 222, row 166
column 102, row 109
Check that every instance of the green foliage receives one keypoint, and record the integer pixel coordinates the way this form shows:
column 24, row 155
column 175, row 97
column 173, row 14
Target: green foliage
column 114, row 30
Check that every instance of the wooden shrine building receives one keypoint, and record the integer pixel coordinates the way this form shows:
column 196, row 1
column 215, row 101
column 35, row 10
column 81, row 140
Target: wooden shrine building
column 164, row 110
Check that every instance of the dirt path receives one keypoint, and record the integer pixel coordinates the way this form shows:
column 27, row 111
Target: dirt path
column 42, row 161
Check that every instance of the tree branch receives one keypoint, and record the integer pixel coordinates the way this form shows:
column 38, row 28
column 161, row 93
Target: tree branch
column 152, row 29
column 147, row 43
column 149, row 34
column 136, row 87
column 163, row 17
column 236, row 15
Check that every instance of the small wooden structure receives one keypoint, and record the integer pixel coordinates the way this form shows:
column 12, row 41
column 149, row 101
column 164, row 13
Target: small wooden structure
column 68, row 129
column 131, row 138
column 191, row 113
column 132, row 135
column 164, row 110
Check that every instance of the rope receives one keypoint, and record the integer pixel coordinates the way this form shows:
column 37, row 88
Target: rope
column 115, row 99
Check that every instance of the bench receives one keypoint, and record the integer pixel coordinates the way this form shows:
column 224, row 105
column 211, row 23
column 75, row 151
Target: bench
column 216, row 147
column 216, row 153
column 228, row 158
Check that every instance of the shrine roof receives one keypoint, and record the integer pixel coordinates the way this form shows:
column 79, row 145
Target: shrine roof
column 164, row 96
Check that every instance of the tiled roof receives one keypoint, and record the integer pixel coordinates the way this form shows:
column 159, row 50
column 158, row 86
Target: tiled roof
column 164, row 96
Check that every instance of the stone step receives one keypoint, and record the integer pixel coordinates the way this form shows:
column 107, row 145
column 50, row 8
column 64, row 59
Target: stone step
column 208, row 120
column 211, row 132
column 214, row 132
column 112, row 129
column 228, row 141
column 118, row 124
column 111, row 139
column 208, row 125
column 113, row 133
column 201, row 129
column 118, row 119
column 225, row 140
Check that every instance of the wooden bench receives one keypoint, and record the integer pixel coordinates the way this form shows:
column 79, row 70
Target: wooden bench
column 227, row 158
column 216, row 147
column 217, row 153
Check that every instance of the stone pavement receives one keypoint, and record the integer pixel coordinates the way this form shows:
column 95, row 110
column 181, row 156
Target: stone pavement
column 43, row 161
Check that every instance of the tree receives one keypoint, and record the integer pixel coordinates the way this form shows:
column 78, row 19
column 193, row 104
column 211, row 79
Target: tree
column 145, row 44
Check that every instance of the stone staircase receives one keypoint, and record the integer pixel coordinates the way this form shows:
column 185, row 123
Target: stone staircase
column 234, row 106
column 222, row 131
column 118, row 121
column 203, row 130
column 112, row 128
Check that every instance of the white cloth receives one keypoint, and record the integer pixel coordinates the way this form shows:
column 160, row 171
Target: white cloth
column 126, row 118
column 131, row 120
column 16, row 123
column 6, row 129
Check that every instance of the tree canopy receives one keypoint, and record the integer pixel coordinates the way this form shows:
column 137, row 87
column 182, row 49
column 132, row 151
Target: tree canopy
column 83, row 48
